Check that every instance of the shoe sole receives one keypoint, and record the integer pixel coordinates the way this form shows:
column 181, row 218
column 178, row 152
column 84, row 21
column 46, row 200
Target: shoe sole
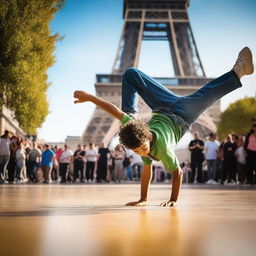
column 246, row 53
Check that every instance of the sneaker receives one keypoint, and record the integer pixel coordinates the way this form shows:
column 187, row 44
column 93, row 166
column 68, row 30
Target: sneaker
column 209, row 181
column 215, row 182
column 244, row 65
column 133, row 115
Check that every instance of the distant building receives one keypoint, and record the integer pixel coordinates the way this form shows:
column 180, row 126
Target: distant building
column 58, row 144
column 8, row 122
column 73, row 141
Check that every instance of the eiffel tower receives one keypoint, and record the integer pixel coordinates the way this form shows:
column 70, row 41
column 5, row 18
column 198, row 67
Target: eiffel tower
column 152, row 20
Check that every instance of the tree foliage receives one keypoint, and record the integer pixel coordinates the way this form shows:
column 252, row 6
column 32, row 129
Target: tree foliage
column 26, row 53
column 237, row 117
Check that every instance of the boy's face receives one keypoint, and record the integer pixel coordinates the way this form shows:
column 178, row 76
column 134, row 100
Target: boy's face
column 144, row 149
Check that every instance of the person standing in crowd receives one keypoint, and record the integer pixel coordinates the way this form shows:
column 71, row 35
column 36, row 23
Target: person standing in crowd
column 235, row 138
column 65, row 160
column 21, row 163
column 118, row 155
column 250, row 148
column 12, row 161
column 186, row 168
column 55, row 165
column 111, row 166
column 79, row 164
column 102, row 164
column 241, row 162
column 137, row 165
column 211, row 151
column 34, row 158
column 91, row 157
column 4, row 156
column 127, row 163
column 229, row 161
column 58, row 153
column 27, row 149
column 196, row 147
column 47, row 162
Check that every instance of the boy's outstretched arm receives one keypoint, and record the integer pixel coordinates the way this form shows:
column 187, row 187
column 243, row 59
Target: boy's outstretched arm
column 146, row 177
column 176, row 185
column 82, row 96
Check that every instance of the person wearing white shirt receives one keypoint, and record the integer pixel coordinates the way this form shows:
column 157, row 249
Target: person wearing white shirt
column 91, row 157
column 21, row 163
column 211, row 153
column 241, row 162
column 65, row 160
column 34, row 158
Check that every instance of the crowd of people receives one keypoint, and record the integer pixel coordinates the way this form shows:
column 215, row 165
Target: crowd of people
column 25, row 161
column 232, row 161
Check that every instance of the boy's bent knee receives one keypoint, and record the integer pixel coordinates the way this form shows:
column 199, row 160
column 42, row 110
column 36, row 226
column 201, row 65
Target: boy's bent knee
column 130, row 71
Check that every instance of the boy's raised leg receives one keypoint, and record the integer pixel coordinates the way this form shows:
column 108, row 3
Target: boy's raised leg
column 191, row 106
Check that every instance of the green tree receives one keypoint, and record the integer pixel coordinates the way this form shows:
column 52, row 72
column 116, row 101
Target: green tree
column 237, row 117
column 26, row 53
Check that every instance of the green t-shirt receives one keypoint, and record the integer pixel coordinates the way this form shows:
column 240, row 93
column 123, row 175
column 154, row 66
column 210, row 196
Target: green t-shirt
column 167, row 133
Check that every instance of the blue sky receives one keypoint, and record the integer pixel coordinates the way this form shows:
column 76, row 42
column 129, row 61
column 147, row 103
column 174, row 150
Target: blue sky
column 91, row 31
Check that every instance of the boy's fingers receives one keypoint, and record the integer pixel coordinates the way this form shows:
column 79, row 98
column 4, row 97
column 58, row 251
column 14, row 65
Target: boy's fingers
column 163, row 204
column 136, row 204
column 77, row 101
column 130, row 204
column 168, row 203
column 76, row 94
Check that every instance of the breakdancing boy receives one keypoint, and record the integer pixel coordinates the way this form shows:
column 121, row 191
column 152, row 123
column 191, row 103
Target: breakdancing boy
column 172, row 115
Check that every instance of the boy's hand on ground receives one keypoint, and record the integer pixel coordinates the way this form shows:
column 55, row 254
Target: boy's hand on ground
column 137, row 203
column 168, row 203
column 81, row 96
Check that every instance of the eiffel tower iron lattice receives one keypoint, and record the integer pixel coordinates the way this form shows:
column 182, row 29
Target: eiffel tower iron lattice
column 152, row 20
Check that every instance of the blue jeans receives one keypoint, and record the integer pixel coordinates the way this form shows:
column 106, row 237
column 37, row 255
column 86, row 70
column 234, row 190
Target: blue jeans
column 32, row 167
column 211, row 169
column 4, row 159
column 129, row 172
column 184, row 109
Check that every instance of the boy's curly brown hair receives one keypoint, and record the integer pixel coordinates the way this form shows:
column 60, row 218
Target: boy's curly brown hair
column 134, row 133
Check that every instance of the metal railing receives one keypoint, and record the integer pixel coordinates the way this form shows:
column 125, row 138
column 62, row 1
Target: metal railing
column 167, row 81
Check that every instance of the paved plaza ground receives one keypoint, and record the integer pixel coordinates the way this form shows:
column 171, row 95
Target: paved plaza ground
column 81, row 220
